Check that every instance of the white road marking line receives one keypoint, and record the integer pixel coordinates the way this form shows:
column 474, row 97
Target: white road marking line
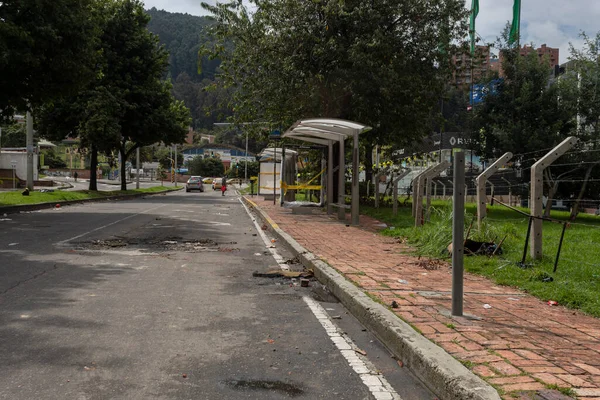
column 377, row 384
column 280, row 261
column 63, row 242
column 219, row 223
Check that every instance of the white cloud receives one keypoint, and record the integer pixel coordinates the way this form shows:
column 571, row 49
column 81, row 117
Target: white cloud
column 554, row 22
column 183, row 6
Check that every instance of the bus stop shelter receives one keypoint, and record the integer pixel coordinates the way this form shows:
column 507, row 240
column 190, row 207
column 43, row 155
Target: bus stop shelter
column 327, row 131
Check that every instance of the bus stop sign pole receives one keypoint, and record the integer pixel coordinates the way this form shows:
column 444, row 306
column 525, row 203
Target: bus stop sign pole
column 458, row 230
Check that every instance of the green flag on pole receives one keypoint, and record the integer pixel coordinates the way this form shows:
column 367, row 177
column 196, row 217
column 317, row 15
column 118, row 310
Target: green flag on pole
column 474, row 12
column 516, row 23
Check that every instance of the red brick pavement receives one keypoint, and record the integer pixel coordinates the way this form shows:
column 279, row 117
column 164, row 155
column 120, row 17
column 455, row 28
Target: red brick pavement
column 519, row 344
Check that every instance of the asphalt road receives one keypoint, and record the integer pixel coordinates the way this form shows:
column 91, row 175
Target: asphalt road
column 154, row 298
column 107, row 185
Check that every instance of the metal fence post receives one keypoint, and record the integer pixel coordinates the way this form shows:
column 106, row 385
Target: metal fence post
column 395, row 194
column 537, row 208
column 481, row 180
column 458, row 230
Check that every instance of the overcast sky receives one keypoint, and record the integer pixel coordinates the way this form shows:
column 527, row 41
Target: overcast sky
column 553, row 22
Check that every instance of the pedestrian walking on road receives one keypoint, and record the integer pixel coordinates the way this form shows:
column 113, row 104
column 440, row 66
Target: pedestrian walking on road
column 75, row 175
column 223, row 186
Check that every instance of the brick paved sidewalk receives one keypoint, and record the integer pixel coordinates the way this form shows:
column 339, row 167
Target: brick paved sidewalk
column 520, row 344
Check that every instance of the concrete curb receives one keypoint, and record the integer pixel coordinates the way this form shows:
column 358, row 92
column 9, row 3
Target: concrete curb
column 42, row 206
column 443, row 374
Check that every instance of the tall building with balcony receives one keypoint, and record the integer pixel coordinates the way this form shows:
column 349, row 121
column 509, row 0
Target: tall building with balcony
column 479, row 64
column 543, row 51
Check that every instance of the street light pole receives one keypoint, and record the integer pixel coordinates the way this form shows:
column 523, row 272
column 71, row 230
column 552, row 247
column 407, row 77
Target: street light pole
column 175, row 158
column 29, row 143
column 137, row 166
column 245, row 158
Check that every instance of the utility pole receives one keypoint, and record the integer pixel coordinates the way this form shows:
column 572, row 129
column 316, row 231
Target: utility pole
column 29, row 143
column 137, row 166
column 175, row 158
column 245, row 157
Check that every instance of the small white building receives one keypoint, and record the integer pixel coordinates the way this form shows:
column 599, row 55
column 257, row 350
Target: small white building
column 17, row 158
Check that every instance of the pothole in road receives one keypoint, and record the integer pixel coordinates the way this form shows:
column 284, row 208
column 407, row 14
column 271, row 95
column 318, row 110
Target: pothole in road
column 278, row 386
column 159, row 244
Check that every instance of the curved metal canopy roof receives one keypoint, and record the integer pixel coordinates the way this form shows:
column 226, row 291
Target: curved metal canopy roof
column 321, row 130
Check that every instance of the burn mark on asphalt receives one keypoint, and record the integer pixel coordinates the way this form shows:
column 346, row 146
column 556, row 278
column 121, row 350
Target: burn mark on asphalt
column 278, row 386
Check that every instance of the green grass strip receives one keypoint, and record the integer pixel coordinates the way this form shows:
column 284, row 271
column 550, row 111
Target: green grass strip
column 576, row 283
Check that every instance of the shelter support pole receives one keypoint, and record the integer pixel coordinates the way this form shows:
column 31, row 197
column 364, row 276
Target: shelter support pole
column 443, row 190
column 330, row 200
column 355, row 188
column 323, row 167
column 282, row 175
column 342, row 183
column 537, row 208
column 480, row 182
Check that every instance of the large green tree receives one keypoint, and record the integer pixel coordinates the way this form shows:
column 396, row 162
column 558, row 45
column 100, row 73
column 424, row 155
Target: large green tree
column 128, row 105
column 48, row 49
column 581, row 89
column 527, row 114
column 382, row 63
column 206, row 166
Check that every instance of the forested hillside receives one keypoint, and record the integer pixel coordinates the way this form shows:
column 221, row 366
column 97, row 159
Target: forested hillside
column 182, row 35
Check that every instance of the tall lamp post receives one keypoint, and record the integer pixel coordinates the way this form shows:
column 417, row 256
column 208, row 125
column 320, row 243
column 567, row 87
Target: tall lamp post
column 246, row 160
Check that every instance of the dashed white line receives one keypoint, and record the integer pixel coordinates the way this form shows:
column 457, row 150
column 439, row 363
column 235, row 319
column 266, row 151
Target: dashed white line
column 280, row 261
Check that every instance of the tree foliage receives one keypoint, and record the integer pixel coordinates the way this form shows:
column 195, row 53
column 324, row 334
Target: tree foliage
column 533, row 111
column 13, row 135
column 53, row 160
column 525, row 113
column 182, row 36
column 379, row 63
column 206, row 166
column 128, row 105
column 48, row 50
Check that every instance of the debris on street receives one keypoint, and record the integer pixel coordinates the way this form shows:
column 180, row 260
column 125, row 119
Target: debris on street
column 279, row 273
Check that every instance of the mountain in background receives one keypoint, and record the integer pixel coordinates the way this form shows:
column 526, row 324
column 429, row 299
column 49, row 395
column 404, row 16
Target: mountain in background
column 182, row 35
